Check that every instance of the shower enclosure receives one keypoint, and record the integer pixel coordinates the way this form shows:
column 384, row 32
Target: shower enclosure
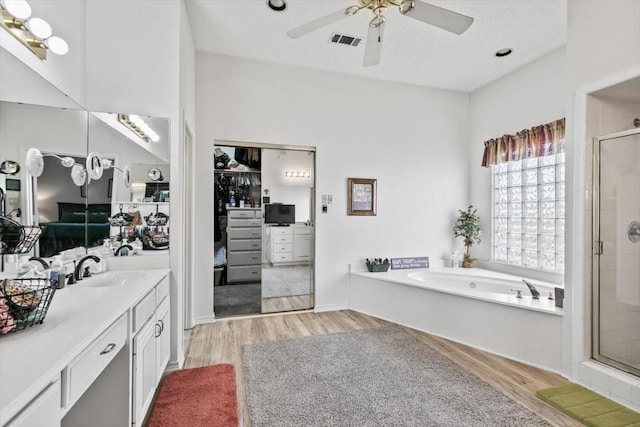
column 616, row 259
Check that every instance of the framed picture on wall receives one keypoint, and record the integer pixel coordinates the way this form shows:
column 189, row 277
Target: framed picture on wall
column 362, row 197
column 83, row 191
column 110, row 188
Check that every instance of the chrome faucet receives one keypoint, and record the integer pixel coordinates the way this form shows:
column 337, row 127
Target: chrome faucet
column 118, row 252
column 77, row 274
column 534, row 292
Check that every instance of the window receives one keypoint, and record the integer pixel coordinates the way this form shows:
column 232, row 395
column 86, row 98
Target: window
column 529, row 212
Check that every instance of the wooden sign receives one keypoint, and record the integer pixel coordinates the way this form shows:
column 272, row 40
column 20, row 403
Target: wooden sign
column 414, row 262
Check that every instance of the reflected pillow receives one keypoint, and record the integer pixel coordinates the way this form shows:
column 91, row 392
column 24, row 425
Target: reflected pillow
column 98, row 217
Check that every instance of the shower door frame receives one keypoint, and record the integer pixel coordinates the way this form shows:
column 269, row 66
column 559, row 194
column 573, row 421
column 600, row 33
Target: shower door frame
column 597, row 251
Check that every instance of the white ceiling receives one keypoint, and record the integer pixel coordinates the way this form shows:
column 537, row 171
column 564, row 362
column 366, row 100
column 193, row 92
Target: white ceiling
column 413, row 52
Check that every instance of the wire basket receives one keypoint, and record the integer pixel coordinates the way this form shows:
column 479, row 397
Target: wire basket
column 377, row 265
column 24, row 303
column 16, row 238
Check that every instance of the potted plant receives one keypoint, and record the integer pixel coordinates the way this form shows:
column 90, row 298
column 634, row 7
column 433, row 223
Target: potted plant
column 468, row 226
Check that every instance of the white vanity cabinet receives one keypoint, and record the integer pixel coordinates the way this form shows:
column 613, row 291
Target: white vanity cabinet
column 97, row 358
column 150, row 347
column 40, row 410
column 290, row 245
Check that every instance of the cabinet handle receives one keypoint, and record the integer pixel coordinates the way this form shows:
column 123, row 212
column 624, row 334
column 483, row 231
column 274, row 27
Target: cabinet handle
column 161, row 325
column 158, row 330
column 108, row 349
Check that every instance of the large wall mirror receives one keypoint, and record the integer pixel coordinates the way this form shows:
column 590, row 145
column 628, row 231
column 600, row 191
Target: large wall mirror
column 79, row 203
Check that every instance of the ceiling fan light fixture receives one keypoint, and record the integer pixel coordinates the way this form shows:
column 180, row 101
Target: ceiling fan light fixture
column 277, row 5
column 504, row 52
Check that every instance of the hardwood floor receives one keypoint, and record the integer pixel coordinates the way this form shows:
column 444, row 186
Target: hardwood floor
column 222, row 341
column 280, row 304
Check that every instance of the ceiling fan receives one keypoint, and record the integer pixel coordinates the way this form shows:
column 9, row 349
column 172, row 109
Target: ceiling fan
column 424, row 12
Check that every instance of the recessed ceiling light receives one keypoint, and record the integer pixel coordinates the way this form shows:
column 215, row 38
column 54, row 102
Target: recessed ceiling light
column 277, row 5
column 504, row 52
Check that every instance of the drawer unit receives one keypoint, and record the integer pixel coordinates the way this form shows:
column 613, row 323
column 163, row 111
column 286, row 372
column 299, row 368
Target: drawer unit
column 242, row 213
column 282, row 257
column 244, row 245
column 162, row 290
column 143, row 310
column 282, row 238
column 292, row 245
column 245, row 233
column 244, row 222
column 244, row 258
column 282, row 247
column 85, row 368
column 244, row 273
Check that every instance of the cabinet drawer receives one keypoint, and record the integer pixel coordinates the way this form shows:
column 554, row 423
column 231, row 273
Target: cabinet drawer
column 162, row 290
column 282, row 257
column 282, row 239
column 245, row 258
column 283, row 247
column 244, row 233
column 85, row 368
column 143, row 310
column 279, row 231
column 302, row 230
column 244, row 222
column 243, row 274
column 244, row 245
column 242, row 213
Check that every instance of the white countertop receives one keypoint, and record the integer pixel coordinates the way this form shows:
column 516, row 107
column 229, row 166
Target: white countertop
column 32, row 358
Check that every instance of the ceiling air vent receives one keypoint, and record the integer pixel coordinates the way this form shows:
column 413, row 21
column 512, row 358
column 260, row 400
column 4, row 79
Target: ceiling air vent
column 345, row 39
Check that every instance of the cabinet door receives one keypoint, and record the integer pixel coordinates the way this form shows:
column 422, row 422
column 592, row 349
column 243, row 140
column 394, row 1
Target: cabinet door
column 163, row 334
column 302, row 248
column 144, row 376
column 43, row 411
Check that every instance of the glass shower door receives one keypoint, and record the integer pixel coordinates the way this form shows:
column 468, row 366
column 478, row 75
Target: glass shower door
column 616, row 259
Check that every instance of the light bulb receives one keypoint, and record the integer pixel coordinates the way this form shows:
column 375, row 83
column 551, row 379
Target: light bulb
column 78, row 175
column 18, row 8
column 57, row 45
column 154, row 136
column 67, row 162
column 307, row 175
column 39, row 27
column 288, row 173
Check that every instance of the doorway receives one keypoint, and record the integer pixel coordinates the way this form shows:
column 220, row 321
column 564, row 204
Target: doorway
column 264, row 228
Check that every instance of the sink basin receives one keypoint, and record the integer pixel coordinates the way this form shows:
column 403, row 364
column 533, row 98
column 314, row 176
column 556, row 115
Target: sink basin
column 112, row 278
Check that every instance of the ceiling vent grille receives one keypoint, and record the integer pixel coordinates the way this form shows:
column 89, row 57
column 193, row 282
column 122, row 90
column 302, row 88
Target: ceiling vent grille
column 345, row 39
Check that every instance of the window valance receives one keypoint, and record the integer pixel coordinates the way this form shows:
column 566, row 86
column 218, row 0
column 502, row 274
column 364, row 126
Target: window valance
column 539, row 141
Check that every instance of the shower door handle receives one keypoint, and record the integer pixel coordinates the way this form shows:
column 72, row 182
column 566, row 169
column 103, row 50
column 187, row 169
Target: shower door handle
column 634, row 231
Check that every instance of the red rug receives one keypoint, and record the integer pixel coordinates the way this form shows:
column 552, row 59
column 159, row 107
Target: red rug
column 197, row 397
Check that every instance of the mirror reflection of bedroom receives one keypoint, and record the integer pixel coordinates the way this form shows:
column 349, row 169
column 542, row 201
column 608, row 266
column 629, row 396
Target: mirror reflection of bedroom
column 264, row 234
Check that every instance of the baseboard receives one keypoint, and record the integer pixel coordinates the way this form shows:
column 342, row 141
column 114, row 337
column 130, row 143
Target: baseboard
column 203, row 320
column 337, row 307
column 175, row 365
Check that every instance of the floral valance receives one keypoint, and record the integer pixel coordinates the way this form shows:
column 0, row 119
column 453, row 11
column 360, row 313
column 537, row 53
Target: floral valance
column 539, row 141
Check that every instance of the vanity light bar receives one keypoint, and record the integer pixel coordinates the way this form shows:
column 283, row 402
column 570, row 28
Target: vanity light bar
column 139, row 127
column 291, row 174
column 34, row 33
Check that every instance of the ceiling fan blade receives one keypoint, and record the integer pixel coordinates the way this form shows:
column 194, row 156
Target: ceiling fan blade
column 319, row 23
column 373, row 48
column 436, row 16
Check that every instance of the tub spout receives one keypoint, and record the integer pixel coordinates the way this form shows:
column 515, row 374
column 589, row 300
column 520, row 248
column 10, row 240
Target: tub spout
column 534, row 292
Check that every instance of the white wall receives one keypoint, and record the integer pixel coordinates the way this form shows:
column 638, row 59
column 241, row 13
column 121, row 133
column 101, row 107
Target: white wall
column 532, row 95
column 133, row 66
column 66, row 72
column 412, row 139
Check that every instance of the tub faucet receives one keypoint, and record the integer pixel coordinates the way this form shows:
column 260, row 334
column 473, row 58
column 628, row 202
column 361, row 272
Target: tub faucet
column 77, row 274
column 118, row 252
column 534, row 292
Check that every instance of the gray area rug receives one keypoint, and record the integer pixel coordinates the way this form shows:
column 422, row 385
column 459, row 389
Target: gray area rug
column 286, row 281
column 372, row 377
